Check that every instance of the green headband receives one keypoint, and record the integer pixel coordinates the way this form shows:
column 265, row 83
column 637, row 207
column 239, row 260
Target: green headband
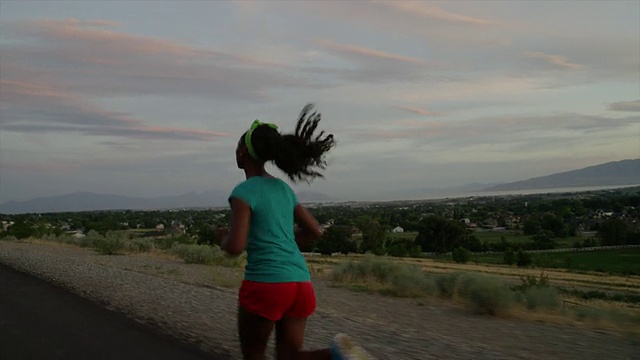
column 247, row 136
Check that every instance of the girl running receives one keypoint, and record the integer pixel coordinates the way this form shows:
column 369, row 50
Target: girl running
column 276, row 291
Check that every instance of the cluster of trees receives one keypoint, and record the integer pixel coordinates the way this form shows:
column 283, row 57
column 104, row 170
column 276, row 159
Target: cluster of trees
column 545, row 218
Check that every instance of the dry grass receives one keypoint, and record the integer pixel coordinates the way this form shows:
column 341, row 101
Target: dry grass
column 46, row 242
column 557, row 277
column 535, row 304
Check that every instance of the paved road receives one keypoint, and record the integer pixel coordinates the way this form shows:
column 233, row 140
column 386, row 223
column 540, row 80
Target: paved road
column 41, row 321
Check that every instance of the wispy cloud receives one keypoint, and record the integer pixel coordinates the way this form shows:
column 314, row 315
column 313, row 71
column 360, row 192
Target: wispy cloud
column 419, row 111
column 360, row 52
column 499, row 129
column 37, row 108
column 632, row 106
column 437, row 25
column 92, row 58
column 427, row 12
column 369, row 65
column 557, row 61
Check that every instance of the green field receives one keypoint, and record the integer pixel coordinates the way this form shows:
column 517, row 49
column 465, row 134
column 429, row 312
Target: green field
column 619, row 262
column 491, row 237
column 517, row 237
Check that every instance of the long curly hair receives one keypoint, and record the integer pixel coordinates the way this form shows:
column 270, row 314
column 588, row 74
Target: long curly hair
column 300, row 155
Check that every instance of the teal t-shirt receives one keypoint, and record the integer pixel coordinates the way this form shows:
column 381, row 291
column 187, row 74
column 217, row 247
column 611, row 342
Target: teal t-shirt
column 272, row 252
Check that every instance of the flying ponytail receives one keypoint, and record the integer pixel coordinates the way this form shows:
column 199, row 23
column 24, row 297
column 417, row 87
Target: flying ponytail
column 299, row 155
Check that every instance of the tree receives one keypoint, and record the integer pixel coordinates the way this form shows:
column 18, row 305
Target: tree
column 543, row 240
column 441, row 235
column 523, row 259
column 509, row 256
column 335, row 239
column 554, row 224
column 374, row 237
column 21, row 230
column 613, row 232
column 402, row 248
column 207, row 235
column 531, row 226
column 461, row 255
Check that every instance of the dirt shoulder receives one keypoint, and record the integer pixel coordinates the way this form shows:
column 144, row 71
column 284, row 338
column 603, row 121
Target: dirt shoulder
column 197, row 304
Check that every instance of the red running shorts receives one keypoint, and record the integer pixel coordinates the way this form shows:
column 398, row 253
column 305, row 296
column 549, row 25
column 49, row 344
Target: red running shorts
column 277, row 300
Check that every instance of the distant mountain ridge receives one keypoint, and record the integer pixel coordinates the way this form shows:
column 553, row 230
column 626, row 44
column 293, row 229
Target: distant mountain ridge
column 624, row 172
column 88, row 201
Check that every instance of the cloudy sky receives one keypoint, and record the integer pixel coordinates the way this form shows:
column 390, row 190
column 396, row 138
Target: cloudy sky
column 149, row 98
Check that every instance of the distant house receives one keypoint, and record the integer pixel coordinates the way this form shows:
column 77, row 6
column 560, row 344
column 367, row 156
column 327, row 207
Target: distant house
column 397, row 229
column 174, row 230
column 6, row 225
column 78, row 234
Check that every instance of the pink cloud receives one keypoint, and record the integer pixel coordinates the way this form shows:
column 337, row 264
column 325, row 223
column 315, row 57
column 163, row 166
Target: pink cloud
column 366, row 52
column 91, row 58
column 37, row 167
column 204, row 134
column 52, row 109
column 419, row 9
column 555, row 60
column 85, row 32
column 419, row 111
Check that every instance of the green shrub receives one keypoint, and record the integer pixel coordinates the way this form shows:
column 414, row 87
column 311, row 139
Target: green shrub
column 370, row 268
column 447, row 283
column 412, row 282
column 486, row 294
column 92, row 238
column 530, row 281
column 165, row 243
column 51, row 238
column 205, row 254
column 9, row 238
column 509, row 256
column 461, row 255
column 66, row 239
column 111, row 244
column 194, row 254
column 139, row 245
column 541, row 297
column 396, row 279
column 523, row 259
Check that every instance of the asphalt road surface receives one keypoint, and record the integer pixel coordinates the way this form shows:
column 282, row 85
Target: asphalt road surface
column 39, row 320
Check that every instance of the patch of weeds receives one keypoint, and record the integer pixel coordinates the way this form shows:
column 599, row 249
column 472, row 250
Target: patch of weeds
column 167, row 242
column 485, row 294
column 530, row 281
column 206, row 255
column 412, row 282
column 140, row 245
column 541, row 297
column 446, row 284
column 376, row 274
column 111, row 244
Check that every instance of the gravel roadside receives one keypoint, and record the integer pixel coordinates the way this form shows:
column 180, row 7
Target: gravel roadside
column 184, row 301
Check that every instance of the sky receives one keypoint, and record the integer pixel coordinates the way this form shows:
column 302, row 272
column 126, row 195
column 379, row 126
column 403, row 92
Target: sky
column 149, row 98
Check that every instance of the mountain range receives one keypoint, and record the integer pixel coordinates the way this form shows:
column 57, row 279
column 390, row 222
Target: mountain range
column 625, row 172
column 87, row 201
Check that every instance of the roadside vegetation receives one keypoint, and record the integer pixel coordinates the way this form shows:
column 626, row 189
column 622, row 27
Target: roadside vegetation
column 538, row 254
